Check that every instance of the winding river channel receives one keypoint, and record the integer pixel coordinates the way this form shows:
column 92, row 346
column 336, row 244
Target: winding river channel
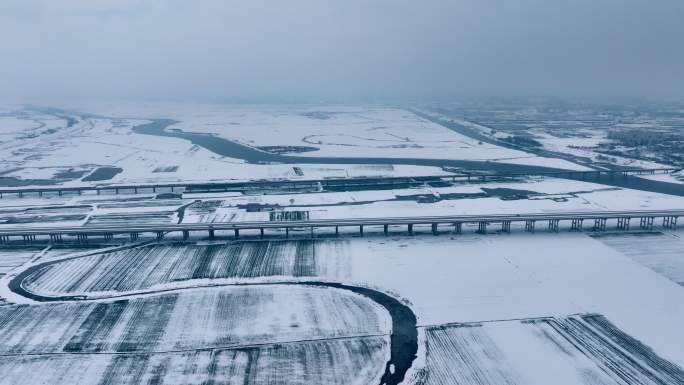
column 231, row 149
column 403, row 338
column 404, row 335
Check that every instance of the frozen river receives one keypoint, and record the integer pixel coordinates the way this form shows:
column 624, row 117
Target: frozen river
column 231, row 149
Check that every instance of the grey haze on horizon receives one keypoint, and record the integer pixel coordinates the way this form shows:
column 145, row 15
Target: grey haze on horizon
column 338, row 49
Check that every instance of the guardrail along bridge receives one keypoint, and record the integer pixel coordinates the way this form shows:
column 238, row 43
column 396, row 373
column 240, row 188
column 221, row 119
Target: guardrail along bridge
column 577, row 221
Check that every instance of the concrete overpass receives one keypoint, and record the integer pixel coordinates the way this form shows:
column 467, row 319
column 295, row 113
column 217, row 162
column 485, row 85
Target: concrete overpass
column 599, row 221
column 325, row 184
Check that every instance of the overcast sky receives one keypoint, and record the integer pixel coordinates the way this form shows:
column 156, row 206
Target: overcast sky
column 224, row 50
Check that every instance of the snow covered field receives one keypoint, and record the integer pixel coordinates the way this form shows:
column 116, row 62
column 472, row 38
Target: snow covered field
column 44, row 150
column 318, row 130
column 496, row 308
column 471, row 294
column 318, row 335
column 676, row 177
column 158, row 266
column 356, row 131
column 580, row 349
column 643, row 136
column 546, row 195
column 338, row 362
column 10, row 259
column 660, row 251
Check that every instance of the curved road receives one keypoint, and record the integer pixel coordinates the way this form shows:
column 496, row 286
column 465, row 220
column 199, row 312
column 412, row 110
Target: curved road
column 403, row 339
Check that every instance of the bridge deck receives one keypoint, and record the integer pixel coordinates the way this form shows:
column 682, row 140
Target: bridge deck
column 224, row 186
column 552, row 218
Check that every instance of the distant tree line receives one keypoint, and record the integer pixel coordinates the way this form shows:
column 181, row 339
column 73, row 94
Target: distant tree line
column 636, row 138
column 522, row 141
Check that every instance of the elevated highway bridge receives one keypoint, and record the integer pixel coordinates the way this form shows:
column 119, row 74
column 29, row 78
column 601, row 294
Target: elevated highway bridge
column 333, row 184
column 578, row 221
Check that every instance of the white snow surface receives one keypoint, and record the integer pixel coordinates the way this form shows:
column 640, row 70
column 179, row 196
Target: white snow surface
column 29, row 153
column 549, row 195
column 335, row 130
column 475, row 278
column 485, row 278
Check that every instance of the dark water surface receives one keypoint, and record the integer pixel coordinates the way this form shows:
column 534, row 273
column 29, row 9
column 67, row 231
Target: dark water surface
column 102, row 173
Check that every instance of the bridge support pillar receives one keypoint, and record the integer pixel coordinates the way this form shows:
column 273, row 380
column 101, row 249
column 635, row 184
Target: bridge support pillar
column 21, row 194
column 135, row 190
column 385, row 229
column 55, row 238
column 623, row 223
column 211, row 233
column 337, row 231
column 82, row 238
column 261, row 232
column 311, row 231
column 27, row 238
column 482, row 227
column 577, row 224
column 434, row 229
column 4, row 239
column 506, row 226
column 160, row 235
column 134, row 236
column 458, row 227
column 646, row 223
column 237, row 233
column 186, row 235
column 361, row 230
column 600, row 224
column 154, row 189
column 410, row 229
column 108, row 236
column 287, row 232
column 553, row 225
column 529, row 225
column 116, row 191
column 670, row 222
